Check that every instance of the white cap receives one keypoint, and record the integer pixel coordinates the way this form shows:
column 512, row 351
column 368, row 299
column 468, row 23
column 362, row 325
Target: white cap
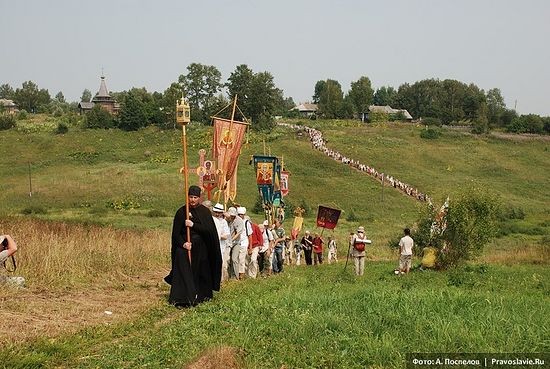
column 241, row 210
column 232, row 211
column 218, row 208
column 266, row 223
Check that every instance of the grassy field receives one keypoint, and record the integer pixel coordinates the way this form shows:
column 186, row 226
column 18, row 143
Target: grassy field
column 96, row 229
column 312, row 317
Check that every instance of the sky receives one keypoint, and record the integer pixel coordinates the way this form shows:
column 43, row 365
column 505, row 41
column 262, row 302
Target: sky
column 64, row 45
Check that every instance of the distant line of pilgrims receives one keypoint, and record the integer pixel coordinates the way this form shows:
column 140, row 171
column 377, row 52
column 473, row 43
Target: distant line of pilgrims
column 316, row 138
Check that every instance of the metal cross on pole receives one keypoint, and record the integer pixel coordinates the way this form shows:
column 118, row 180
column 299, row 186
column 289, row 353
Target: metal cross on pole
column 183, row 117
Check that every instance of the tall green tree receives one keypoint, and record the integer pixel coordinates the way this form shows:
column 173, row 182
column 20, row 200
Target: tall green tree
column 385, row 96
column 239, row 83
column 451, row 101
column 31, row 98
column 258, row 97
column 330, row 98
column 132, row 114
column 168, row 103
column 201, row 84
column 495, row 107
column 319, row 88
column 361, row 95
column 86, row 96
column 6, row 92
column 59, row 97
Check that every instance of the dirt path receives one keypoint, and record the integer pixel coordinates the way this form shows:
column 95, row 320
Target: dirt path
column 28, row 314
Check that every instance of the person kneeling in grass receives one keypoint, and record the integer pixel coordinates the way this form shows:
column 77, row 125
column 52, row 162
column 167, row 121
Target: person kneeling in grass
column 8, row 248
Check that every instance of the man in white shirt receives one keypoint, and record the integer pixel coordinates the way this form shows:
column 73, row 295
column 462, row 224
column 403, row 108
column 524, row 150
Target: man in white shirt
column 236, row 226
column 245, row 240
column 264, row 252
column 406, row 245
column 224, row 235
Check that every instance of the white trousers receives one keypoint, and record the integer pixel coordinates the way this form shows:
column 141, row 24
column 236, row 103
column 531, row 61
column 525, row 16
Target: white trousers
column 243, row 251
column 252, row 263
column 226, row 257
column 359, row 265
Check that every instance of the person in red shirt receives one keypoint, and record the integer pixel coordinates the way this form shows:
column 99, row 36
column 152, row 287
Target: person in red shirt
column 317, row 249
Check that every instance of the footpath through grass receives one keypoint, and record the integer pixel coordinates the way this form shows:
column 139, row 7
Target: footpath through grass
column 320, row 317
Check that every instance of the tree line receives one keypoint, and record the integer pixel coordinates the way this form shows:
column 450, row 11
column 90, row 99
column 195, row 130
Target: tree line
column 432, row 101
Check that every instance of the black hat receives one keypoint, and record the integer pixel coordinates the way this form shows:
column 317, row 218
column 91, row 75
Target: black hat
column 194, row 191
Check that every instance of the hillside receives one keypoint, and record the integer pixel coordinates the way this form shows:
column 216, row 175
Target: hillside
column 115, row 193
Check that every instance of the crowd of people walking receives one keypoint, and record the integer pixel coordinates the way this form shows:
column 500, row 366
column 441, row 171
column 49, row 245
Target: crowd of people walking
column 316, row 138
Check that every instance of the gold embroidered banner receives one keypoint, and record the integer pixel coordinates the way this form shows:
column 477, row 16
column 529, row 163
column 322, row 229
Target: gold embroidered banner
column 226, row 146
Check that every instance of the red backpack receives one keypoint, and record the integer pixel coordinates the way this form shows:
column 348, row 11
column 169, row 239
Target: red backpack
column 257, row 235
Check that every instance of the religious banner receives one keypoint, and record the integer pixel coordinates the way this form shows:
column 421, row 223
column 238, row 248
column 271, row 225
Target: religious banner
column 284, row 182
column 327, row 217
column 265, row 168
column 226, row 146
column 298, row 222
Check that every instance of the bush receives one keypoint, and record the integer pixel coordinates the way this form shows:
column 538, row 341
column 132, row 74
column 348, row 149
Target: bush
column 22, row 115
column 479, row 127
column 61, row 129
column 99, row 118
column 471, row 222
column 430, row 133
column 7, row 121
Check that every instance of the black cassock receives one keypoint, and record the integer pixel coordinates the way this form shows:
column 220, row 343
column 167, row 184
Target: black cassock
column 193, row 283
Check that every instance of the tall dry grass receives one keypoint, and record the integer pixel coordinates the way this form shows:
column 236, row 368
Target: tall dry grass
column 53, row 255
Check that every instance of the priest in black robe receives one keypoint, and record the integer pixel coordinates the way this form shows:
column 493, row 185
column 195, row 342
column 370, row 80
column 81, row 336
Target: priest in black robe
column 193, row 281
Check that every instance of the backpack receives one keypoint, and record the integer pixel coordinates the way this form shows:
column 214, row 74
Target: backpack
column 359, row 246
column 257, row 235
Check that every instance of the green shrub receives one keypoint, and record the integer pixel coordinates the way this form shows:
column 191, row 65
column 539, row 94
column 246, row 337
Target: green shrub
column 430, row 133
column 7, row 121
column 22, row 115
column 61, row 129
column 471, row 222
column 99, row 118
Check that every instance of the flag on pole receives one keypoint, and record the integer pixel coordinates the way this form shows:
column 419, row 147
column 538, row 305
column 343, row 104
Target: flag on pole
column 226, row 147
column 284, row 182
column 327, row 217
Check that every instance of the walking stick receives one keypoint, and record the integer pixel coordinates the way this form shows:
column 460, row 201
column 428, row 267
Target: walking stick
column 347, row 256
column 183, row 117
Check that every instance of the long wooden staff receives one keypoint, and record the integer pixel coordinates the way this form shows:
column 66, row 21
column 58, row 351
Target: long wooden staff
column 183, row 117
column 186, row 184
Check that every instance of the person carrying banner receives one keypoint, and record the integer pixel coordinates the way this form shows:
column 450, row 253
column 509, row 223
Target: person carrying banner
column 193, row 279
column 358, row 242
column 317, row 249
